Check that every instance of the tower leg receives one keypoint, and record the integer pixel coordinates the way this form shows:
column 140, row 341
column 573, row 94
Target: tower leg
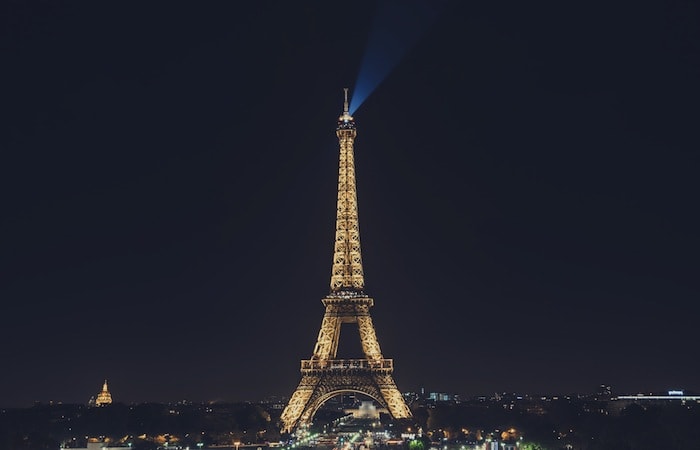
column 298, row 403
column 368, row 337
column 394, row 401
column 313, row 391
column 327, row 342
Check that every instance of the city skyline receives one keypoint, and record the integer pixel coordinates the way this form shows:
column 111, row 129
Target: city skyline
column 103, row 397
column 525, row 176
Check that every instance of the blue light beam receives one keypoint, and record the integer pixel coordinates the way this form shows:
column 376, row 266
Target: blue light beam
column 397, row 26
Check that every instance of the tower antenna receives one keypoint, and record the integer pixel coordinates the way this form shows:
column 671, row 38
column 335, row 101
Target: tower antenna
column 345, row 105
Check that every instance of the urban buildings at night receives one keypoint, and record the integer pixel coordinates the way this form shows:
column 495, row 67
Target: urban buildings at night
column 440, row 421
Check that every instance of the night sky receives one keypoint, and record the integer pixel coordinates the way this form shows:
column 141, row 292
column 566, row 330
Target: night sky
column 527, row 186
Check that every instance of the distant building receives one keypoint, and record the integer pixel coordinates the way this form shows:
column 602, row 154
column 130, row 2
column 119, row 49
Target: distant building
column 675, row 396
column 104, row 397
column 367, row 410
column 96, row 444
column 439, row 397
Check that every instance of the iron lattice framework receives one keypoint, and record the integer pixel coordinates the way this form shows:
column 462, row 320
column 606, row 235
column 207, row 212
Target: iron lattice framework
column 324, row 375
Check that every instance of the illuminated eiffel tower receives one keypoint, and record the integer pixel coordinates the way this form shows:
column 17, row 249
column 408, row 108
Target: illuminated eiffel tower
column 324, row 376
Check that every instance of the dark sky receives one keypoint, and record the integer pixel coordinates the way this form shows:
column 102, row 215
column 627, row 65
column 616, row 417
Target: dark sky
column 527, row 181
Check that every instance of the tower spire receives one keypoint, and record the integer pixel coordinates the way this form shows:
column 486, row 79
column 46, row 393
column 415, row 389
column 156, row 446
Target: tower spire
column 345, row 105
column 347, row 273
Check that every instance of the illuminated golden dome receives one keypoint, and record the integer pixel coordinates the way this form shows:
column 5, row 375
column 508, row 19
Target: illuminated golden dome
column 104, row 397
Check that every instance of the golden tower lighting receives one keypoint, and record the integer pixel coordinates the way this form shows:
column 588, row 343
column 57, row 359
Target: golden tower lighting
column 324, row 375
column 104, row 397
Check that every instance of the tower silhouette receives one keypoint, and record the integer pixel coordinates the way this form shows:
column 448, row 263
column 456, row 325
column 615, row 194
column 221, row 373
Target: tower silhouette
column 324, row 376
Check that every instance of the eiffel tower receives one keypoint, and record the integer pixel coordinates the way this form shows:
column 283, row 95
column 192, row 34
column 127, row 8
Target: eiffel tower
column 324, row 376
